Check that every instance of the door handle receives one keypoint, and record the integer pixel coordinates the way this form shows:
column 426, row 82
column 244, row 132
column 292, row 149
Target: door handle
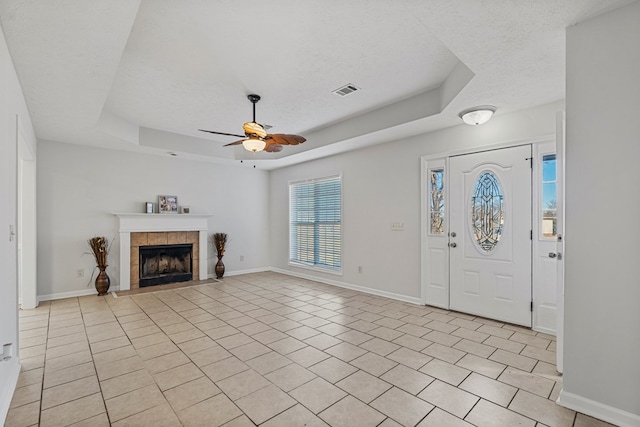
column 452, row 245
column 552, row 254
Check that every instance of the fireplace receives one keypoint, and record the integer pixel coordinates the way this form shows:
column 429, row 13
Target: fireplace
column 161, row 264
column 140, row 229
column 164, row 239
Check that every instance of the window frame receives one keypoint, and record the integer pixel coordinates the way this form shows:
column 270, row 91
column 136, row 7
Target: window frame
column 541, row 207
column 316, row 266
column 430, row 208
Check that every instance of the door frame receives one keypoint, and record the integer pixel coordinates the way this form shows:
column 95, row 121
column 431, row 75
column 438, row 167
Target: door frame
column 561, row 151
column 26, row 215
column 434, row 289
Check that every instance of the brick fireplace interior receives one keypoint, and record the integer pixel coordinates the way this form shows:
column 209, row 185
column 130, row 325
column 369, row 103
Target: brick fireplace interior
column 162, row 238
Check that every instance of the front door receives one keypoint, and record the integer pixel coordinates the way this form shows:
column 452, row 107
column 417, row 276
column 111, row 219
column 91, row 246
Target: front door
column 490, row 234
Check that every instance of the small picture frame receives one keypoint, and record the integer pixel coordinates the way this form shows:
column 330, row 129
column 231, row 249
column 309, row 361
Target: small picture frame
column 168, row 204
column 185, row 209
column 149, row 207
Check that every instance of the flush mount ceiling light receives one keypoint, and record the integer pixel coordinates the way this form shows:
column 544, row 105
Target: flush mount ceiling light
column 477, row 115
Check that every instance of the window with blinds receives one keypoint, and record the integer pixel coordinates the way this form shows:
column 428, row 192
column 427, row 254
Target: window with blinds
column 315, row 223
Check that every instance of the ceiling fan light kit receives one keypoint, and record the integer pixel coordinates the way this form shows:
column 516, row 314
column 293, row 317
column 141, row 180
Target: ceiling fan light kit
column 257, row 138
column 477, row 115
column 253, row 144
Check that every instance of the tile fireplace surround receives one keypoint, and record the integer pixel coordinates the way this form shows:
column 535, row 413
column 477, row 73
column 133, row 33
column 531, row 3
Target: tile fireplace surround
column 139, row 240
column 161, row 229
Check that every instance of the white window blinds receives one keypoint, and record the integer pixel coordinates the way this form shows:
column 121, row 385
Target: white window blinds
column 315, row 228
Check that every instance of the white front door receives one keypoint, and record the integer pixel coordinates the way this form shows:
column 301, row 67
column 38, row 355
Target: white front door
column 490, row 234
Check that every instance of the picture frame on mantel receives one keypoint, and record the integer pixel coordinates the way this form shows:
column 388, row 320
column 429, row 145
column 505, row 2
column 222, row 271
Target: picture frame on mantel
column 148, row 207
column 168, row 204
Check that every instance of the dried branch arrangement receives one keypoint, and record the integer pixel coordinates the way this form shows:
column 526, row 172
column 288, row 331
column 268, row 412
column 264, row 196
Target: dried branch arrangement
column 100, row 248
column 219, row 243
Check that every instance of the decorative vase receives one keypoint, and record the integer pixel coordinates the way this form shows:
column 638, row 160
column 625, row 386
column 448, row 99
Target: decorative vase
column 102, row 281
column 219, row 268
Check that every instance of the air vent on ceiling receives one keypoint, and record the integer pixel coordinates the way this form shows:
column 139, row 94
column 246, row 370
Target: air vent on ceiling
column 345, row 90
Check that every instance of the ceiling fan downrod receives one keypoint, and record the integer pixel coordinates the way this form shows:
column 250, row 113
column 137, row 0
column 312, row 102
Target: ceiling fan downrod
column 254, row 100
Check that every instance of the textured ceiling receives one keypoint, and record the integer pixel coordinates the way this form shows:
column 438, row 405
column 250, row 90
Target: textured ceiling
column 145, row 75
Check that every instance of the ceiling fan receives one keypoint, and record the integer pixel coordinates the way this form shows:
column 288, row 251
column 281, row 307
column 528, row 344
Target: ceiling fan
column 256, row 137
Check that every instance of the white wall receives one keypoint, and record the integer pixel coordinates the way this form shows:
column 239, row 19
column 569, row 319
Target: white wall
column 12, row 106
column 381, row 185
column 79, row 188
column 602, row 290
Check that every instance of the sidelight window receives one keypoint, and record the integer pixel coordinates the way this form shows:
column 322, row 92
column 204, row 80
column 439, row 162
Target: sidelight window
column 436, row 201
column 549, row 197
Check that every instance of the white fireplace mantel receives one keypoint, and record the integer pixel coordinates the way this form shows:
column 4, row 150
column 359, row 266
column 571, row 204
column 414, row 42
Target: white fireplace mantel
column 142, row 223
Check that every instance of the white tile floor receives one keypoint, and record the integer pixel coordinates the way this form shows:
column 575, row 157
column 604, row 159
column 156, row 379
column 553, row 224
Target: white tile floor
column 272, row 350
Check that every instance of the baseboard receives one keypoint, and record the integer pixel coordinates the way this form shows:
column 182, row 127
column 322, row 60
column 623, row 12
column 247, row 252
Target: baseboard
column 91, row 291
column 353, row 287
column 239, row 272
column 598, row 410
column 72, row 294
column 337, row 283
column 9, row 373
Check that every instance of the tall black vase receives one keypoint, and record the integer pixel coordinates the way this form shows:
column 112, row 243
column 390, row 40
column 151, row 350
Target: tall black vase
column 219, row 268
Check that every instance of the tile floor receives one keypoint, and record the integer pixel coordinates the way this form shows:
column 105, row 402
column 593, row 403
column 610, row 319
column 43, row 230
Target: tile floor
column 271, row 350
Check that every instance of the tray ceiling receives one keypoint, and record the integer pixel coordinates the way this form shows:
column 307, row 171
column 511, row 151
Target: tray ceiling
column 145, row 75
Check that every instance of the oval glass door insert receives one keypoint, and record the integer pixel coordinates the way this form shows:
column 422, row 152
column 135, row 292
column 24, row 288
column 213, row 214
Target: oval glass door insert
column 487, row 211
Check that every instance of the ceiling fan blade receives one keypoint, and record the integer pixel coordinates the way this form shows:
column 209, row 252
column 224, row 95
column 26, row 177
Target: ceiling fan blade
column 285, row 139
column 221, row 133
column 234, row 143
column 273, row 148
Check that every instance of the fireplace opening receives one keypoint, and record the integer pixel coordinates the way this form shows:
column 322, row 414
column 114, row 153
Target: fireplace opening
column 165, row 264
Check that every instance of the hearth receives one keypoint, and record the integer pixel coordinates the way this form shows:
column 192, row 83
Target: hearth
column 160, row 264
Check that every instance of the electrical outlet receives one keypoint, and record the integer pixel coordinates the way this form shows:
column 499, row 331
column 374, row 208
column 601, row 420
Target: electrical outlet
column 80, row 272
column 397, row 226
column 241, row 257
